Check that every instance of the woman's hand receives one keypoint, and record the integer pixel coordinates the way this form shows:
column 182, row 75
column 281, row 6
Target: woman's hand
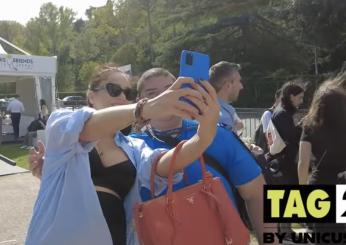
column 195, row 146
column 169, row 102
column 36, row 159
column 210, row 113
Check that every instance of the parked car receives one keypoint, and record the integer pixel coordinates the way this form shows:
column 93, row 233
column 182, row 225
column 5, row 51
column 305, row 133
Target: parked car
column 74, row 101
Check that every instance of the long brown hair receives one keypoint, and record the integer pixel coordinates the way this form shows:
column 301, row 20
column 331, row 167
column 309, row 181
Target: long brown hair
column 339, row 81
column 288, row 89
column 328, row 112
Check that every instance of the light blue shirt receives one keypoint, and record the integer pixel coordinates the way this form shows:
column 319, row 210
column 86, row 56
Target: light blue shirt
column 227, row 115
column 67, row 210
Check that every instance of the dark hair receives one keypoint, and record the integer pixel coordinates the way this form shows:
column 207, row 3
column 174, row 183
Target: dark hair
column 338, row 81
column 288, row 89
column 101, row 73
column 327, row 112
column 277, row 94
column 221, row 70
column 42, row 102
column 153, row 72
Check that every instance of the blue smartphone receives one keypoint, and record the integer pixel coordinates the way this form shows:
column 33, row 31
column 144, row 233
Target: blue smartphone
column 195, row 65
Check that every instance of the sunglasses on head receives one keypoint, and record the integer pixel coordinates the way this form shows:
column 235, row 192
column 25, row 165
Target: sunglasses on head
column 114, row 90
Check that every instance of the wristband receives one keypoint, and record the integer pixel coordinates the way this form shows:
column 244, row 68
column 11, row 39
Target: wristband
column 140, row 121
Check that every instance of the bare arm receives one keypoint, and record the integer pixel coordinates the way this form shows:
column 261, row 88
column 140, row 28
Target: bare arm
column 106, row 122
column 35, row 159
column 304, row 162
column 252, row 193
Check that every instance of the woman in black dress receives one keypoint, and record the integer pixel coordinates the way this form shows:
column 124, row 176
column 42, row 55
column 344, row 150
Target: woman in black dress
column 324, row 137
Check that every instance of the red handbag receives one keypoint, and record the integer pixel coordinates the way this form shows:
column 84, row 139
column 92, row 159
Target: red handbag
column 201, row 214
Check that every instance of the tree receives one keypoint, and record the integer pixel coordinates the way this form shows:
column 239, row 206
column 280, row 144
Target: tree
column 52, row 34
column 12, row 32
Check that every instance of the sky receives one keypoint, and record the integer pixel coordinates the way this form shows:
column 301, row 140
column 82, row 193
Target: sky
column 22, row 10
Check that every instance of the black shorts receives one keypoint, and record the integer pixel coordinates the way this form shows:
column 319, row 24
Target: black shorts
column 114, row 213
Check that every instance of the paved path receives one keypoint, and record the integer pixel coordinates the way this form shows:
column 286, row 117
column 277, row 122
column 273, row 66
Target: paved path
column 17, row 196
column 6, row 169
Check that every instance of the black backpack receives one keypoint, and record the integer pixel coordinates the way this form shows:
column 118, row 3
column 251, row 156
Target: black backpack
column 35, row 125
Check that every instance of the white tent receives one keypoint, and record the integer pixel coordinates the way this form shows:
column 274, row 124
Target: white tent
column 2, row 50
column 34, row 77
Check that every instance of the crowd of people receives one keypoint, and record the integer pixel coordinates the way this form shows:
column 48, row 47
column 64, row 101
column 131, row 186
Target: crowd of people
column 95, row 158
column 312, row 149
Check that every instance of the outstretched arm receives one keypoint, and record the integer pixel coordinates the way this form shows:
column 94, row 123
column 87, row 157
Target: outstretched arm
column 107, row 122
column 194, row 147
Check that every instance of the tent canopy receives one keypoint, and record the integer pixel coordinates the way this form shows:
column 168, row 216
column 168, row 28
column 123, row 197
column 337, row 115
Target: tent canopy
column 2, row 50
column 34, row 77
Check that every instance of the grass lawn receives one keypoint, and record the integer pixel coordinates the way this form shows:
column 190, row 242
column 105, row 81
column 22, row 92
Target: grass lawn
column 14, row 152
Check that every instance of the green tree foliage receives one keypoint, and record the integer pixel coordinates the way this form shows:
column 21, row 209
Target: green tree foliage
column 274, row 41
column 52, row 34
column 13, row 32
column 85, row 73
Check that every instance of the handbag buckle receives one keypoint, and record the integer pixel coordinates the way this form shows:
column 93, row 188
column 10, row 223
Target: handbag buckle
column 228, row 241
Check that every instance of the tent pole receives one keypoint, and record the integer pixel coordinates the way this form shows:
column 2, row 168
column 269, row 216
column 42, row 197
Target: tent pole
column 38, row 92
column 53, row 93
column 14, row 46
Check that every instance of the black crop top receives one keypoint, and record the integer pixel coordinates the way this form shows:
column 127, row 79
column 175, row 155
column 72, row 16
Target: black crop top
column 119, row 178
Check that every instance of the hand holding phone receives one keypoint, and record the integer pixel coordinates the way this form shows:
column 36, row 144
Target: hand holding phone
column 195, row 65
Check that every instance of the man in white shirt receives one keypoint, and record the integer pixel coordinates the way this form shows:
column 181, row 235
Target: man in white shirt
column 15, row 107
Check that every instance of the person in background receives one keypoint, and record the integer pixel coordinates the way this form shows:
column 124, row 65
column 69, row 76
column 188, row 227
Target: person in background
column 282, row 119
column 37, row 124
column 226, row 80
column 267, row 115
column 324, row 137
column 261, row 131
column 15, row 108
column 44, row 110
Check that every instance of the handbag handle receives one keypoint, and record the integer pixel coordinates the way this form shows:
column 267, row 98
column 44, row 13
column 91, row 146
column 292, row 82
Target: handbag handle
column 177, row 149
